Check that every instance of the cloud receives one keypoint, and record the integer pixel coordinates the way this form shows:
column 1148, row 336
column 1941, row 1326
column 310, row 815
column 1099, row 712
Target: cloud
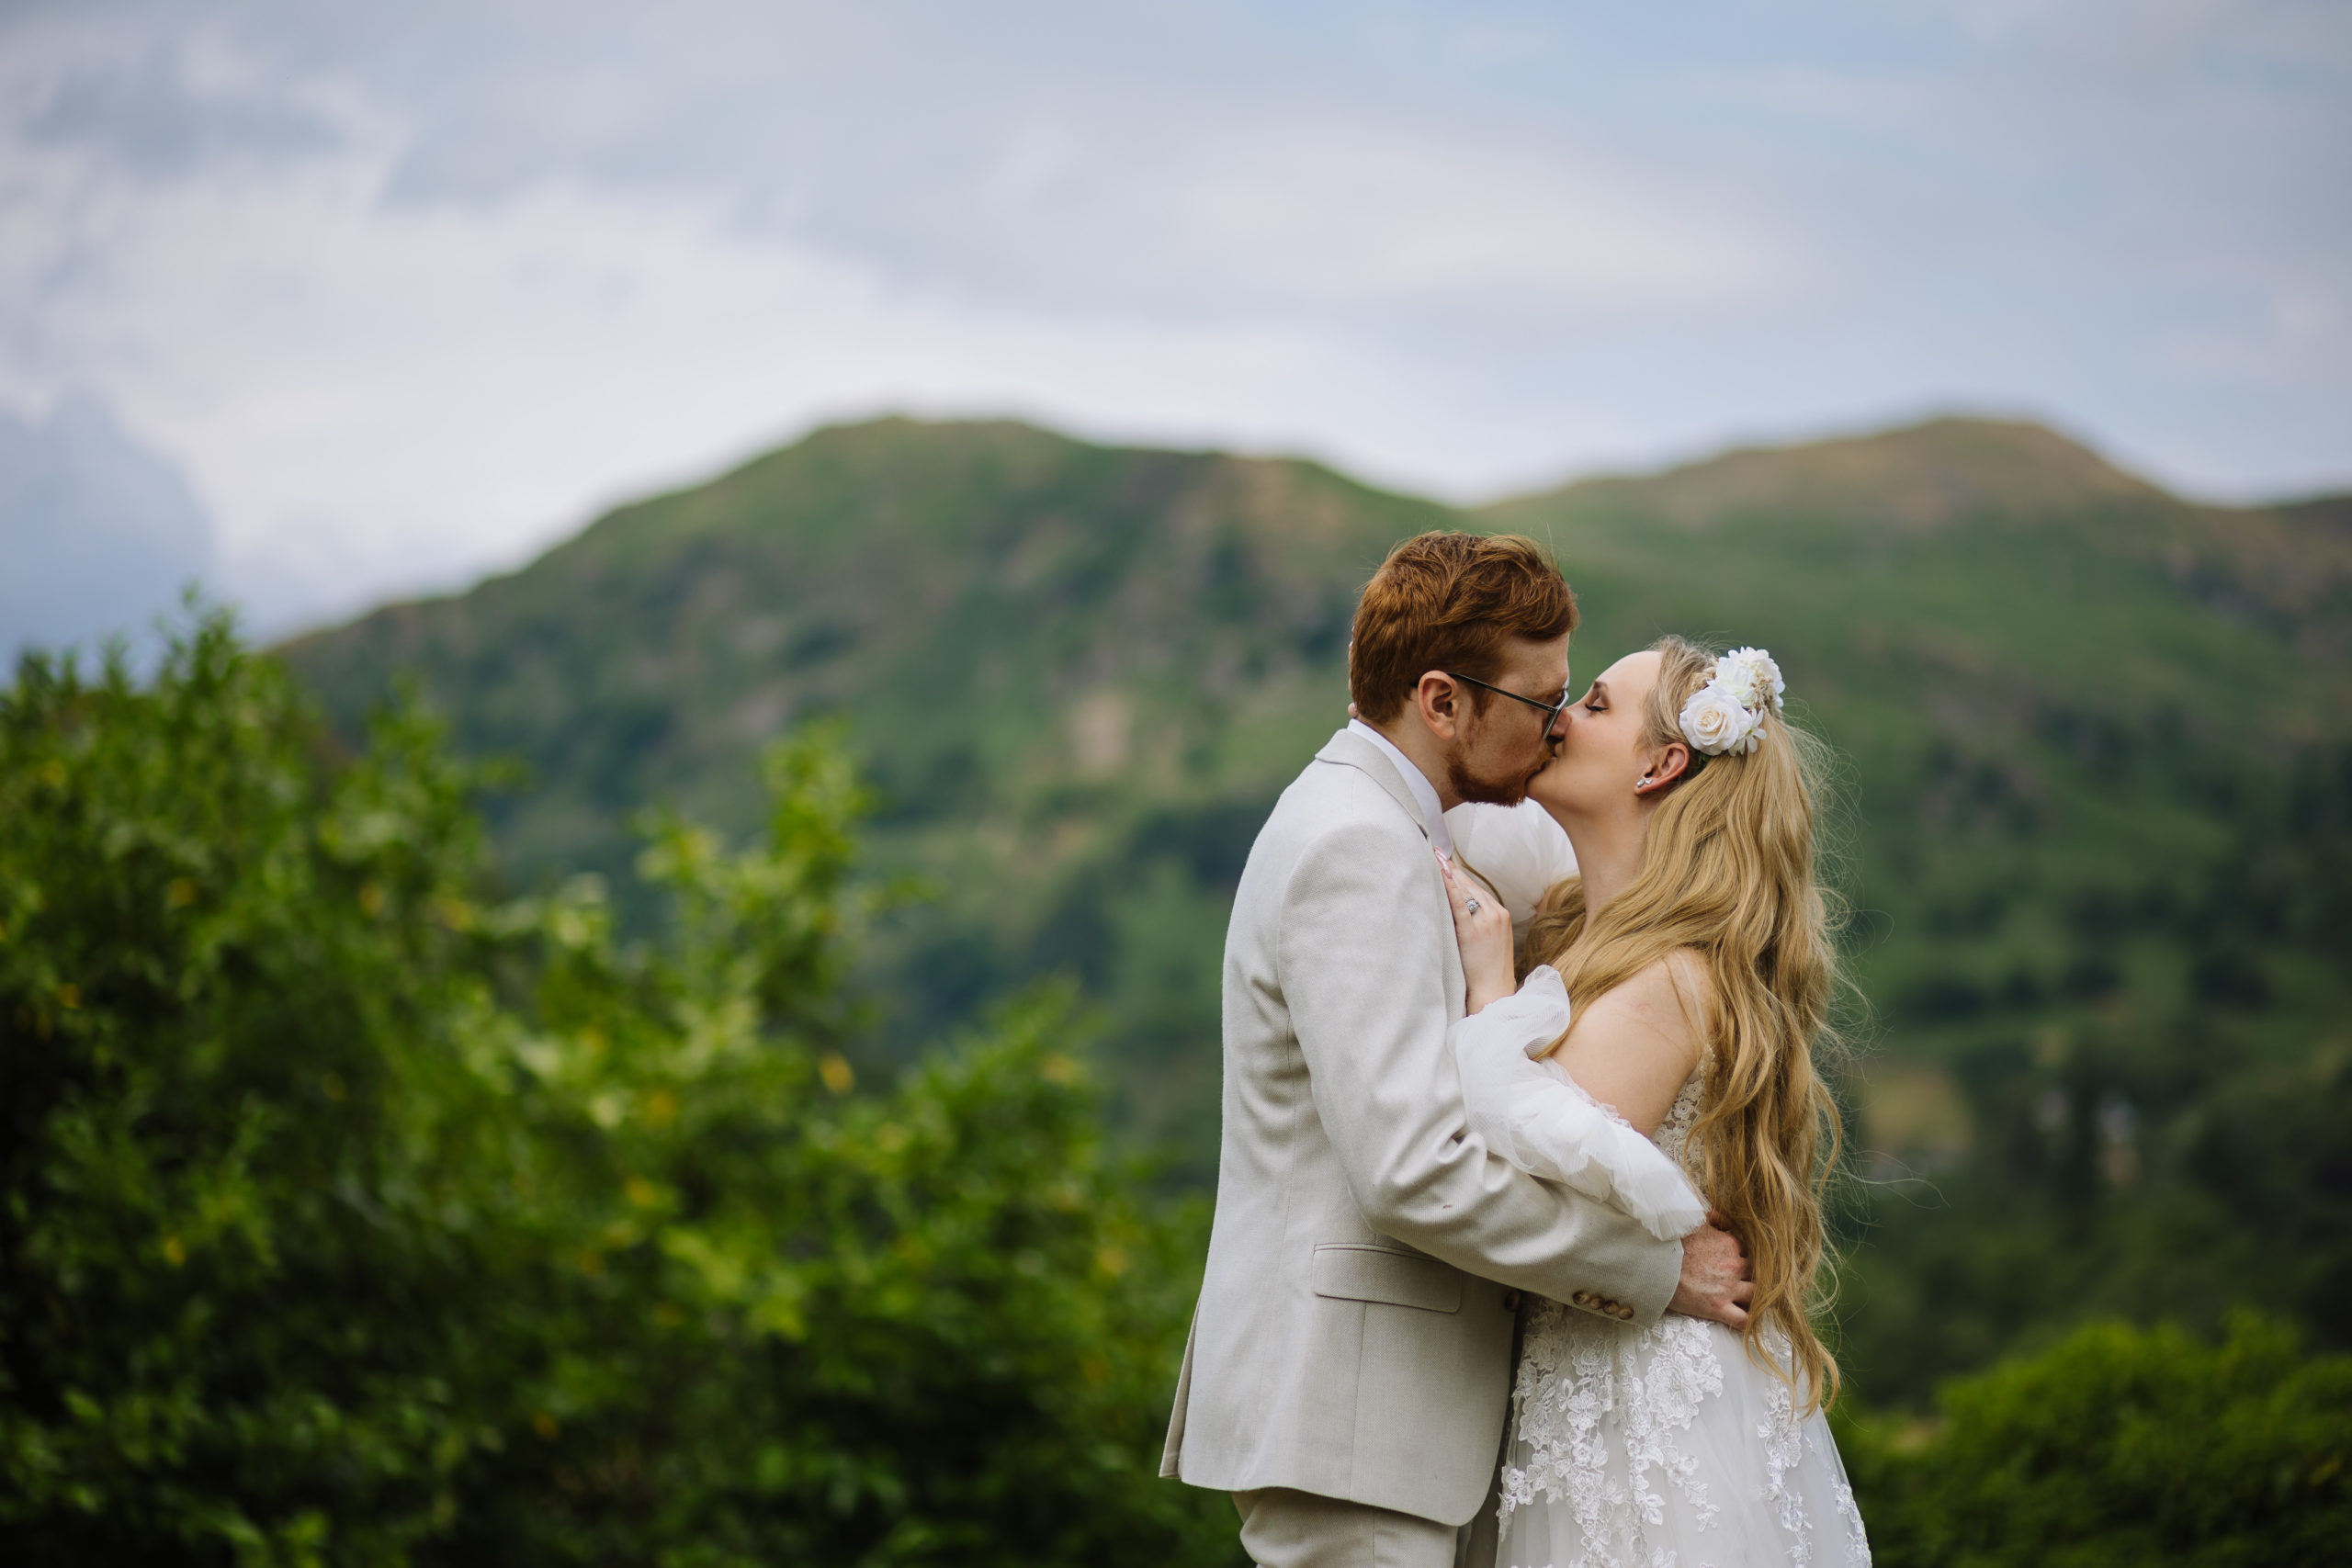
column 413, row 287
column 154, row 114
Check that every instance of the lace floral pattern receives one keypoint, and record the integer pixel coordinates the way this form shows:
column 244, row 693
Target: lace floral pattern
column 1622, row 1430
column 1673, row 1134
column 1576, row 1370
column 1858, row 1543
column 1783, row 1442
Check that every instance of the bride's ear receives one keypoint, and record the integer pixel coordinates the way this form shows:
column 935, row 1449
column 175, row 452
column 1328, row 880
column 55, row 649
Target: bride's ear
column 1671, row 762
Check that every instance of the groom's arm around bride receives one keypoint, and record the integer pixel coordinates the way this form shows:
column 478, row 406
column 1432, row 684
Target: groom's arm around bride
column 1349, row 1366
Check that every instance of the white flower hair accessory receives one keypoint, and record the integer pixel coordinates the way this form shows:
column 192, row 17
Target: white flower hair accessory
column 1749, row 675
column 1715, row 722
column 1726, row 714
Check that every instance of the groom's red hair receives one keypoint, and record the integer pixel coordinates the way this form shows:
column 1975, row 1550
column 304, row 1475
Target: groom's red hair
column 1445, row 601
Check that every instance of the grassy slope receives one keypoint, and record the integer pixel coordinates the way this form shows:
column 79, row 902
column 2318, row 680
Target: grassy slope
column 1079, row 675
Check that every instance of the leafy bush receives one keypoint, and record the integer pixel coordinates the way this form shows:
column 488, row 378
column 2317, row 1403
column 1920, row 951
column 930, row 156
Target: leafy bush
column 350, row 1215
column 2122, row 1446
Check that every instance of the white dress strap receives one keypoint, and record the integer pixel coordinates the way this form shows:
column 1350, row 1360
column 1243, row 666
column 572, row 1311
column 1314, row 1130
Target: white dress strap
column 1538, row 1118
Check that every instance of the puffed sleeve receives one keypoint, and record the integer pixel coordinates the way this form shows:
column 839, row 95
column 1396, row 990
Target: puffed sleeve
column 1535, row 1116
column 1518, row 849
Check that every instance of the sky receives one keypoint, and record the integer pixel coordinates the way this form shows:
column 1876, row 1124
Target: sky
column 408, row 292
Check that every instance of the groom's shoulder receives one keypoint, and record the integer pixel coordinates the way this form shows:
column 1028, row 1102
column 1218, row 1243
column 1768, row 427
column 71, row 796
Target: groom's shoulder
column 1334, row 833
column 1332, row 782
column 1332, row 795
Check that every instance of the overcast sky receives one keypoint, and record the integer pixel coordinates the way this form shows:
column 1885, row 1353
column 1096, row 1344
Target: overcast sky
column 410, row 289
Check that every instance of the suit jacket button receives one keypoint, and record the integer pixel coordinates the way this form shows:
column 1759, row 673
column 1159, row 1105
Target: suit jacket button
column 1581, row 1298
column 1621, row 1310
column 1510, row 1300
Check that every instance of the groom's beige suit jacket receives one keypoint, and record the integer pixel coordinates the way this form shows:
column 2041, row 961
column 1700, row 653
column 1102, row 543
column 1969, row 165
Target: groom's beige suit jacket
column 1353, row 1335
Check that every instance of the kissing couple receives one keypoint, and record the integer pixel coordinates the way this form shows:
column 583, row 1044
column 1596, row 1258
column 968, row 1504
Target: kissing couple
column 1518, row 1208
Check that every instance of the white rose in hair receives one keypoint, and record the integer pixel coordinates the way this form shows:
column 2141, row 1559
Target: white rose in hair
column 1749, row 675
column 1715, row 722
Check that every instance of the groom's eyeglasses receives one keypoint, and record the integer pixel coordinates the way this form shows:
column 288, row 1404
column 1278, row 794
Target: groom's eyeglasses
column 1551, row 711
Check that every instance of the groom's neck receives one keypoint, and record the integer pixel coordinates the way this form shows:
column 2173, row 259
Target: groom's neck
column 1425, row 750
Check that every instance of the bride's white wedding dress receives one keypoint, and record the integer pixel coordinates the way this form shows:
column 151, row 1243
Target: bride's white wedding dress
column 1666, row 1447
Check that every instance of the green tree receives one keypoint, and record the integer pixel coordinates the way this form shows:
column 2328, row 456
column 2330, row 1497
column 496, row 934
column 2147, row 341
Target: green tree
column 2121, row 1447
column 351, row 1215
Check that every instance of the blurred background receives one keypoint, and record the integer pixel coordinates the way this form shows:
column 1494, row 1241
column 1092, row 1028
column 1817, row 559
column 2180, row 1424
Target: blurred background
column 1000, row 407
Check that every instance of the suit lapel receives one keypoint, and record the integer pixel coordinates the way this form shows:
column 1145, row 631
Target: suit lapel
column 1352, row 750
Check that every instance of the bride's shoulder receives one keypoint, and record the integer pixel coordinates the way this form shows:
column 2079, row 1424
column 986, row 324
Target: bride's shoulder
column 1635, row 1045
column 1667, row 999
column 1686, row 969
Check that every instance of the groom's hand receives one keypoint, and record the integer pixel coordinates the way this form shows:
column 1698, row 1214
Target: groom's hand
column 1716, row 1282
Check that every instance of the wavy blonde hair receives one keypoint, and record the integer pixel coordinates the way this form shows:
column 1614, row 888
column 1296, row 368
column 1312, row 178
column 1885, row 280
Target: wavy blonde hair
column 1728, row 870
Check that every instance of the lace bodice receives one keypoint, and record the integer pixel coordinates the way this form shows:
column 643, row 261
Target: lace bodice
column 1666, row 1447
column 1673, row 1134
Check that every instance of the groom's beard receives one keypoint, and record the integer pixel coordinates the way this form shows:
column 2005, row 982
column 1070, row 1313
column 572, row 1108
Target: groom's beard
column 1506, row 791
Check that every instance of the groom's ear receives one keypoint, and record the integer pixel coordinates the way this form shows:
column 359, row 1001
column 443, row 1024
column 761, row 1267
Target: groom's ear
column 1439, row 702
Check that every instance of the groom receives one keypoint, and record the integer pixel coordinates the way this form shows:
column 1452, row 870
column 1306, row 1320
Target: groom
column 1349, row 1370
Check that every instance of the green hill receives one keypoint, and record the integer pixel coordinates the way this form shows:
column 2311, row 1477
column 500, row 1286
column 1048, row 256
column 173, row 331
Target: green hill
column 1076, row 676
column 2100, row 746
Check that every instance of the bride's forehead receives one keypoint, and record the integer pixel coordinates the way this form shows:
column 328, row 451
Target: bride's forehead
column 1636, row 671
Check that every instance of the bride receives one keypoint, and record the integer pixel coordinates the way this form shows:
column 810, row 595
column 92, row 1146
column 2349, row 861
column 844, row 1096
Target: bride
column 1676, row 989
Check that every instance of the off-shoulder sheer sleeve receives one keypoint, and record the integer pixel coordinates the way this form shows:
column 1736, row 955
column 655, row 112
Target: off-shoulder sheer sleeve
column 1518, row 849
column 1539, row 1119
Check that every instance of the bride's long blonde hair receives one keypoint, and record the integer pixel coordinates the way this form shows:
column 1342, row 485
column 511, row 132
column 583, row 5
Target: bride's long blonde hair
column 1728, row 870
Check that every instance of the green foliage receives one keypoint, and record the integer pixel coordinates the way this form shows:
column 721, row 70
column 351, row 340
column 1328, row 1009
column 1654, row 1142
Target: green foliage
column 348, row 1215
column 2121, row 1447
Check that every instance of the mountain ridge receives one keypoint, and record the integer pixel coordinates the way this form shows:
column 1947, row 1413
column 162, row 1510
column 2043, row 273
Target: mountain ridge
column 1927, row 474
column 1920, row 477
column 2095, row 770
column 1053, row 652
column 809, row 578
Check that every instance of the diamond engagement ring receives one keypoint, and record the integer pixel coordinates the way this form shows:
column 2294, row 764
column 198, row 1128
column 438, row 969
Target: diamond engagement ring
column 1472, row 905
